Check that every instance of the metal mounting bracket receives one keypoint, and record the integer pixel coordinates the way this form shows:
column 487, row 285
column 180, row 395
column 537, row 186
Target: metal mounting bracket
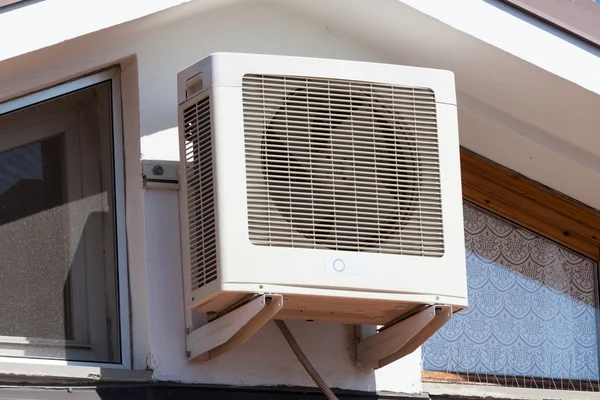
column 398, row 339
column 233, row 328
column 158, row 174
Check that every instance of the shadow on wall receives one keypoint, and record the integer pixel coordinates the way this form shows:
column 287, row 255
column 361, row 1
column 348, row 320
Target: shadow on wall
column 182, row 392
column 192, row 392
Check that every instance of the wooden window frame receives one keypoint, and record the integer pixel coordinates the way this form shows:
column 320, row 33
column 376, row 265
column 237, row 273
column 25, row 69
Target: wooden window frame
column 530, row 204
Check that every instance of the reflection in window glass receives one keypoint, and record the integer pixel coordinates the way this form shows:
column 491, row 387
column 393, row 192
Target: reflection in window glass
column 31, row 188
column 532, row 311
column 20, row 163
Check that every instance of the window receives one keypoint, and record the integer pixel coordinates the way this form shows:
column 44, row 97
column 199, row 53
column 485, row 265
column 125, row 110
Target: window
column 532, row 272
column 61, row 225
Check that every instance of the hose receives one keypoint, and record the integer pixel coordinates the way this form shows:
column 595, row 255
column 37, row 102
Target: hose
column 304, row 361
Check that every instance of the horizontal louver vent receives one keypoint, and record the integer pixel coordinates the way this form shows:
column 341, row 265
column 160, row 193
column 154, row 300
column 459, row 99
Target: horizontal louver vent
column 200, row 193
column 342, row 165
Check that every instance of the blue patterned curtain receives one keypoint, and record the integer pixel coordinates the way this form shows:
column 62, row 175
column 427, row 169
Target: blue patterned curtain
column 533, row 308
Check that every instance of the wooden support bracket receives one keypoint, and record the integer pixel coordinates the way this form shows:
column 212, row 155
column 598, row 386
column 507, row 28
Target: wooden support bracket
column 232, row 329
column 394, row 341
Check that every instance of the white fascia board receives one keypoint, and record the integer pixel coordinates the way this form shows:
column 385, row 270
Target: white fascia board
column 520, row 35
column 37, row 25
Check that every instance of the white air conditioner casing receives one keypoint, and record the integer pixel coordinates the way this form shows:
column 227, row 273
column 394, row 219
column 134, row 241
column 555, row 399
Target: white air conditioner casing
column 335, row 184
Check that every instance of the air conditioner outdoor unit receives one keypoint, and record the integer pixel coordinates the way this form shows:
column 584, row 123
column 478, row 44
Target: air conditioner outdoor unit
column 319, row 189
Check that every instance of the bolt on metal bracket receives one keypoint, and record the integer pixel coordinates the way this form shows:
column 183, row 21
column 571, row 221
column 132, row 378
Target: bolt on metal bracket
column 159, row 174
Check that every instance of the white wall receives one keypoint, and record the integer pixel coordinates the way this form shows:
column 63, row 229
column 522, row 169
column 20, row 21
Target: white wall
column 151, row 52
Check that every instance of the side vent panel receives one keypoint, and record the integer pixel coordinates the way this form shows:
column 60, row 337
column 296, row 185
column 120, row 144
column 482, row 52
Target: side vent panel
column 342, row 165
column 200, row 193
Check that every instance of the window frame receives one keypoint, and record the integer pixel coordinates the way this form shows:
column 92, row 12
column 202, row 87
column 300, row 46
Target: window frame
column 533, row 206
column 112, row 75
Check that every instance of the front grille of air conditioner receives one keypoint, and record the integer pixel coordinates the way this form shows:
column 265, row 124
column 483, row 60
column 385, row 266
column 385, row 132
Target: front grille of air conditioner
column 200, row 193
column 342, row 165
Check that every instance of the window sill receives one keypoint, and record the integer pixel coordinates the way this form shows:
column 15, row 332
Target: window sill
column 509, row 393
column 43, row 370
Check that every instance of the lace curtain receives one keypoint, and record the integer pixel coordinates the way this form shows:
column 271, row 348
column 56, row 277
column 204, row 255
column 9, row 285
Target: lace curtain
column 533, row 307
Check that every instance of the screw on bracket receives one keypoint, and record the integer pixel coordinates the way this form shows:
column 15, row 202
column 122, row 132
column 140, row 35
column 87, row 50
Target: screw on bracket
column 158, row 170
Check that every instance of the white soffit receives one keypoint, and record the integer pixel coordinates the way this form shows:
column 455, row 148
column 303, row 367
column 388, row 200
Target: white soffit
column 538, row 82
column 521, row 35
column 533, row 83
column 36, row 25
column 498, row 58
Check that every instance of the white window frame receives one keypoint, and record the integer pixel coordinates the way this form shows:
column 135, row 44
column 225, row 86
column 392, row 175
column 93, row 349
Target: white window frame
column 111, row 75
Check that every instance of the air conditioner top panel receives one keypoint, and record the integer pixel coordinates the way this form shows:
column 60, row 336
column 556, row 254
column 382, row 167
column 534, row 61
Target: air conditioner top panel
column 228, row 69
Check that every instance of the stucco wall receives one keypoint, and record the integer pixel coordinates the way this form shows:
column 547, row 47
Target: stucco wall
column 152, row 51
